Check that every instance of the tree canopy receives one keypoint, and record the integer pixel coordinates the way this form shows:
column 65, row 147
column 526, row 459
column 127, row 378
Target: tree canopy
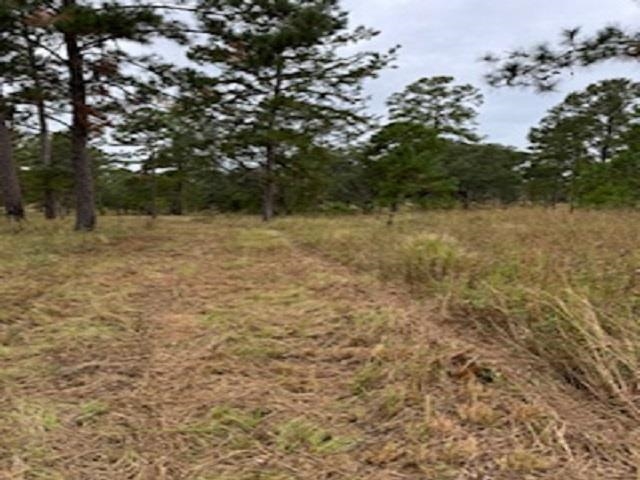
column 437, row 102
column 268, row 114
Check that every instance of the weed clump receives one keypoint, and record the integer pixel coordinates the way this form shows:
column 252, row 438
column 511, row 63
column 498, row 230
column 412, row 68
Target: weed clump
column 427, row 259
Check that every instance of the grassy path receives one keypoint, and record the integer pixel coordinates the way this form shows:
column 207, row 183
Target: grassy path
column 221, row 351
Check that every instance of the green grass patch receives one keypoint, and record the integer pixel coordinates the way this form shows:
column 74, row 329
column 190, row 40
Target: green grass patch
column 301, row 434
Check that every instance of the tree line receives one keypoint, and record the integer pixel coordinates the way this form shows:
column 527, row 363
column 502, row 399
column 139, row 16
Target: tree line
column 270, row 116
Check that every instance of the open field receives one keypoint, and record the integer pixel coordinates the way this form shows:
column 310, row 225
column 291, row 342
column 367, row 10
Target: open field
column 455, row 345
column 564, row 286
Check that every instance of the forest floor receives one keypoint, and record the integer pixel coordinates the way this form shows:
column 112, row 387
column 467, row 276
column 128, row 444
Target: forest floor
column 223, row 350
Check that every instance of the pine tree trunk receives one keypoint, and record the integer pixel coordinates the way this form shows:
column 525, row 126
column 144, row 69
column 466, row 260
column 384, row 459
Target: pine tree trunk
column 393, row 210
column 269, row 193
column 154, row 193
column 269, row 186
column 49, row 203
column 9, row 182
column 466, row 201
column 49, row 200
column 269, row 182
column 268, row 207
column 83, row 175
column 181, row 188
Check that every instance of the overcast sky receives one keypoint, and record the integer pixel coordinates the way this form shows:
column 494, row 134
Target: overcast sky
column 447, row 37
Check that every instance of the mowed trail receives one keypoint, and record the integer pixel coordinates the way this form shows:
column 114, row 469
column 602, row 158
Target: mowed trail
column 221, row 351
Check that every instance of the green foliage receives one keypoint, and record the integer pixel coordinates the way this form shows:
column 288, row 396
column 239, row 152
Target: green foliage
column 284, row 87
column 110, row 20
column 36, row 177
column 541, row 65
column 582, row 137
column 270, row 115
column 57, row 176
column 299, row 434
column 436, row 102
column 484, row 172
column 614, row 184
column 403, row 163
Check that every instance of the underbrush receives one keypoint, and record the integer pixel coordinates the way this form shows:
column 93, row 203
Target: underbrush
column 564, row 286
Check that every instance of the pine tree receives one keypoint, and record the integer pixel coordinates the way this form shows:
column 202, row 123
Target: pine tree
column 589, row 127
column 169, row 134
column 403, row 163
column 559, row 147
column 9, row 64
column 439, row 104
column 611, row 109
column 284, row 82
column 88, row 32
column 55, row 179
column 542, row 66
column 37, row 89
column 484, row 172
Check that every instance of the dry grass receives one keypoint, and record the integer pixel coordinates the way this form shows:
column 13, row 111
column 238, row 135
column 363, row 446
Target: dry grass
column 218, row 350
column 564, row 286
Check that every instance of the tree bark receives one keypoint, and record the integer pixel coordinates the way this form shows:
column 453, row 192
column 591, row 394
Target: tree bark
column 466, row 201
column 154, row 190
column 83, row 174
column 9, row 182
column 269, row 181
column 181, row 189
column 177, row 206
column 49, row 199
column 393, row 210
column 269, row 186
column 606, row 144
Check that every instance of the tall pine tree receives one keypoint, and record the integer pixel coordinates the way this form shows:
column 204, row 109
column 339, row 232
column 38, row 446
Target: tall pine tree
column 438, row 103
column 9, row 67
column 589, row 127
column 285, row 80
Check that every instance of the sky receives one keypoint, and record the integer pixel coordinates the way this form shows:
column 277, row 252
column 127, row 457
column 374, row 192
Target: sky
column 448, row 37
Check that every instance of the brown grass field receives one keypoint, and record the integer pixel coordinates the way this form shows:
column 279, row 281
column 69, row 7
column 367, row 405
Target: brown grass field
column 455, row 345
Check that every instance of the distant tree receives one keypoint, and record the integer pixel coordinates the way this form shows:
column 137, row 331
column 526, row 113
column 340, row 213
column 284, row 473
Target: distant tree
column 559, row 148
column 37, row 83
column 403, row 163
column 44, row 182
column 484, row 172
column 164, row 137
column 591, row 126
column 124, row 191
column 234, row 190
column 541, row 66
column 610, row 110
column 615, row 183
column 305, row 180
column 612, row 184
column 544, row 181
column 348, row 185
column 78, row 41
column 89, row 35
column 285, row 82
column 58, row 177
column 439, row 104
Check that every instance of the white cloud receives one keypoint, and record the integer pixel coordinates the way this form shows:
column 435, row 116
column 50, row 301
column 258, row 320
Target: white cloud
column 449, row 36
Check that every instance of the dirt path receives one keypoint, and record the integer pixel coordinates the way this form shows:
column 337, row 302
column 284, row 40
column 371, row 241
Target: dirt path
column 223, row 352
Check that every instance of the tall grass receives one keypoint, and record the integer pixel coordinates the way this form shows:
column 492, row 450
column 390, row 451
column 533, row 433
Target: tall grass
column 564, row 286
